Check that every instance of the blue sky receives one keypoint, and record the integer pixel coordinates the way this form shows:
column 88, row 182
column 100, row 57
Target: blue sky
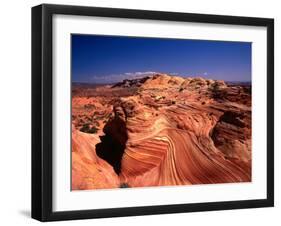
column 110, row 59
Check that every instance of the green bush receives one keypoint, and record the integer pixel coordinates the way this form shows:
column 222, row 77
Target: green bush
column 87, row 129
column 124, row 185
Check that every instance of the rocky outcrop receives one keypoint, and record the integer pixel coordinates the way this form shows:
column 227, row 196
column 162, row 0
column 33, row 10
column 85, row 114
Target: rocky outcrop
column 88, row 170
column 162, row 81
column 129, row 83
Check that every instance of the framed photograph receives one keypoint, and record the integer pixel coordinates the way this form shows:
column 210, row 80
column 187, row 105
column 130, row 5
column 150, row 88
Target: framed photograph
column 145, row 112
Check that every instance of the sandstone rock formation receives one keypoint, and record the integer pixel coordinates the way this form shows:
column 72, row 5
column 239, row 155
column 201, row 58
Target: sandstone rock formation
column 170, row 131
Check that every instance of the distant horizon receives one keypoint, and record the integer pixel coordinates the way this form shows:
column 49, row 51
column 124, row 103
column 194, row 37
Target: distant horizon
column 103, row 59
column 199, row 76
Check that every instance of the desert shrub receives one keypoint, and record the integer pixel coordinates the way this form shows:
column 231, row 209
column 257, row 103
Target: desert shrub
column 217, row 94
column 124, row 185
column 93, row 130
column 181, row 89
column 89, row 106
column 87, row 129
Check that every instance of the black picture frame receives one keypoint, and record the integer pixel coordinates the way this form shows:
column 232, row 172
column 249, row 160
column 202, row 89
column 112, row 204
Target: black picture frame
column 42, row 111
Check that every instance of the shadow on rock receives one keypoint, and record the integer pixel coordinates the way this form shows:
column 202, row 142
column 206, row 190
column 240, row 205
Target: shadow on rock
column 113, row 143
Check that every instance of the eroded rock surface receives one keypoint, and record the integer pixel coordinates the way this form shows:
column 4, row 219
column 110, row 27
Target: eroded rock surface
column 169, row 131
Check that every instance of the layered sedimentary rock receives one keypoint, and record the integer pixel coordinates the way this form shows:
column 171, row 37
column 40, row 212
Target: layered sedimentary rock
column 88, row 170
column 170, row 131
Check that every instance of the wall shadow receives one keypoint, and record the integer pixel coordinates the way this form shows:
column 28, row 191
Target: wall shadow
column 113, row 143
column 25, row 213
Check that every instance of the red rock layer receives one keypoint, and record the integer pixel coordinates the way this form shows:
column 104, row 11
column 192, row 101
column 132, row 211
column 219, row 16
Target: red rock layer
column 88, row 170
column 172, row 131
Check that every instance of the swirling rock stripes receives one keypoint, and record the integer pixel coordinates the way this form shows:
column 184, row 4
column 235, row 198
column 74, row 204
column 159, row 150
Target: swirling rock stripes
column 172, row 131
